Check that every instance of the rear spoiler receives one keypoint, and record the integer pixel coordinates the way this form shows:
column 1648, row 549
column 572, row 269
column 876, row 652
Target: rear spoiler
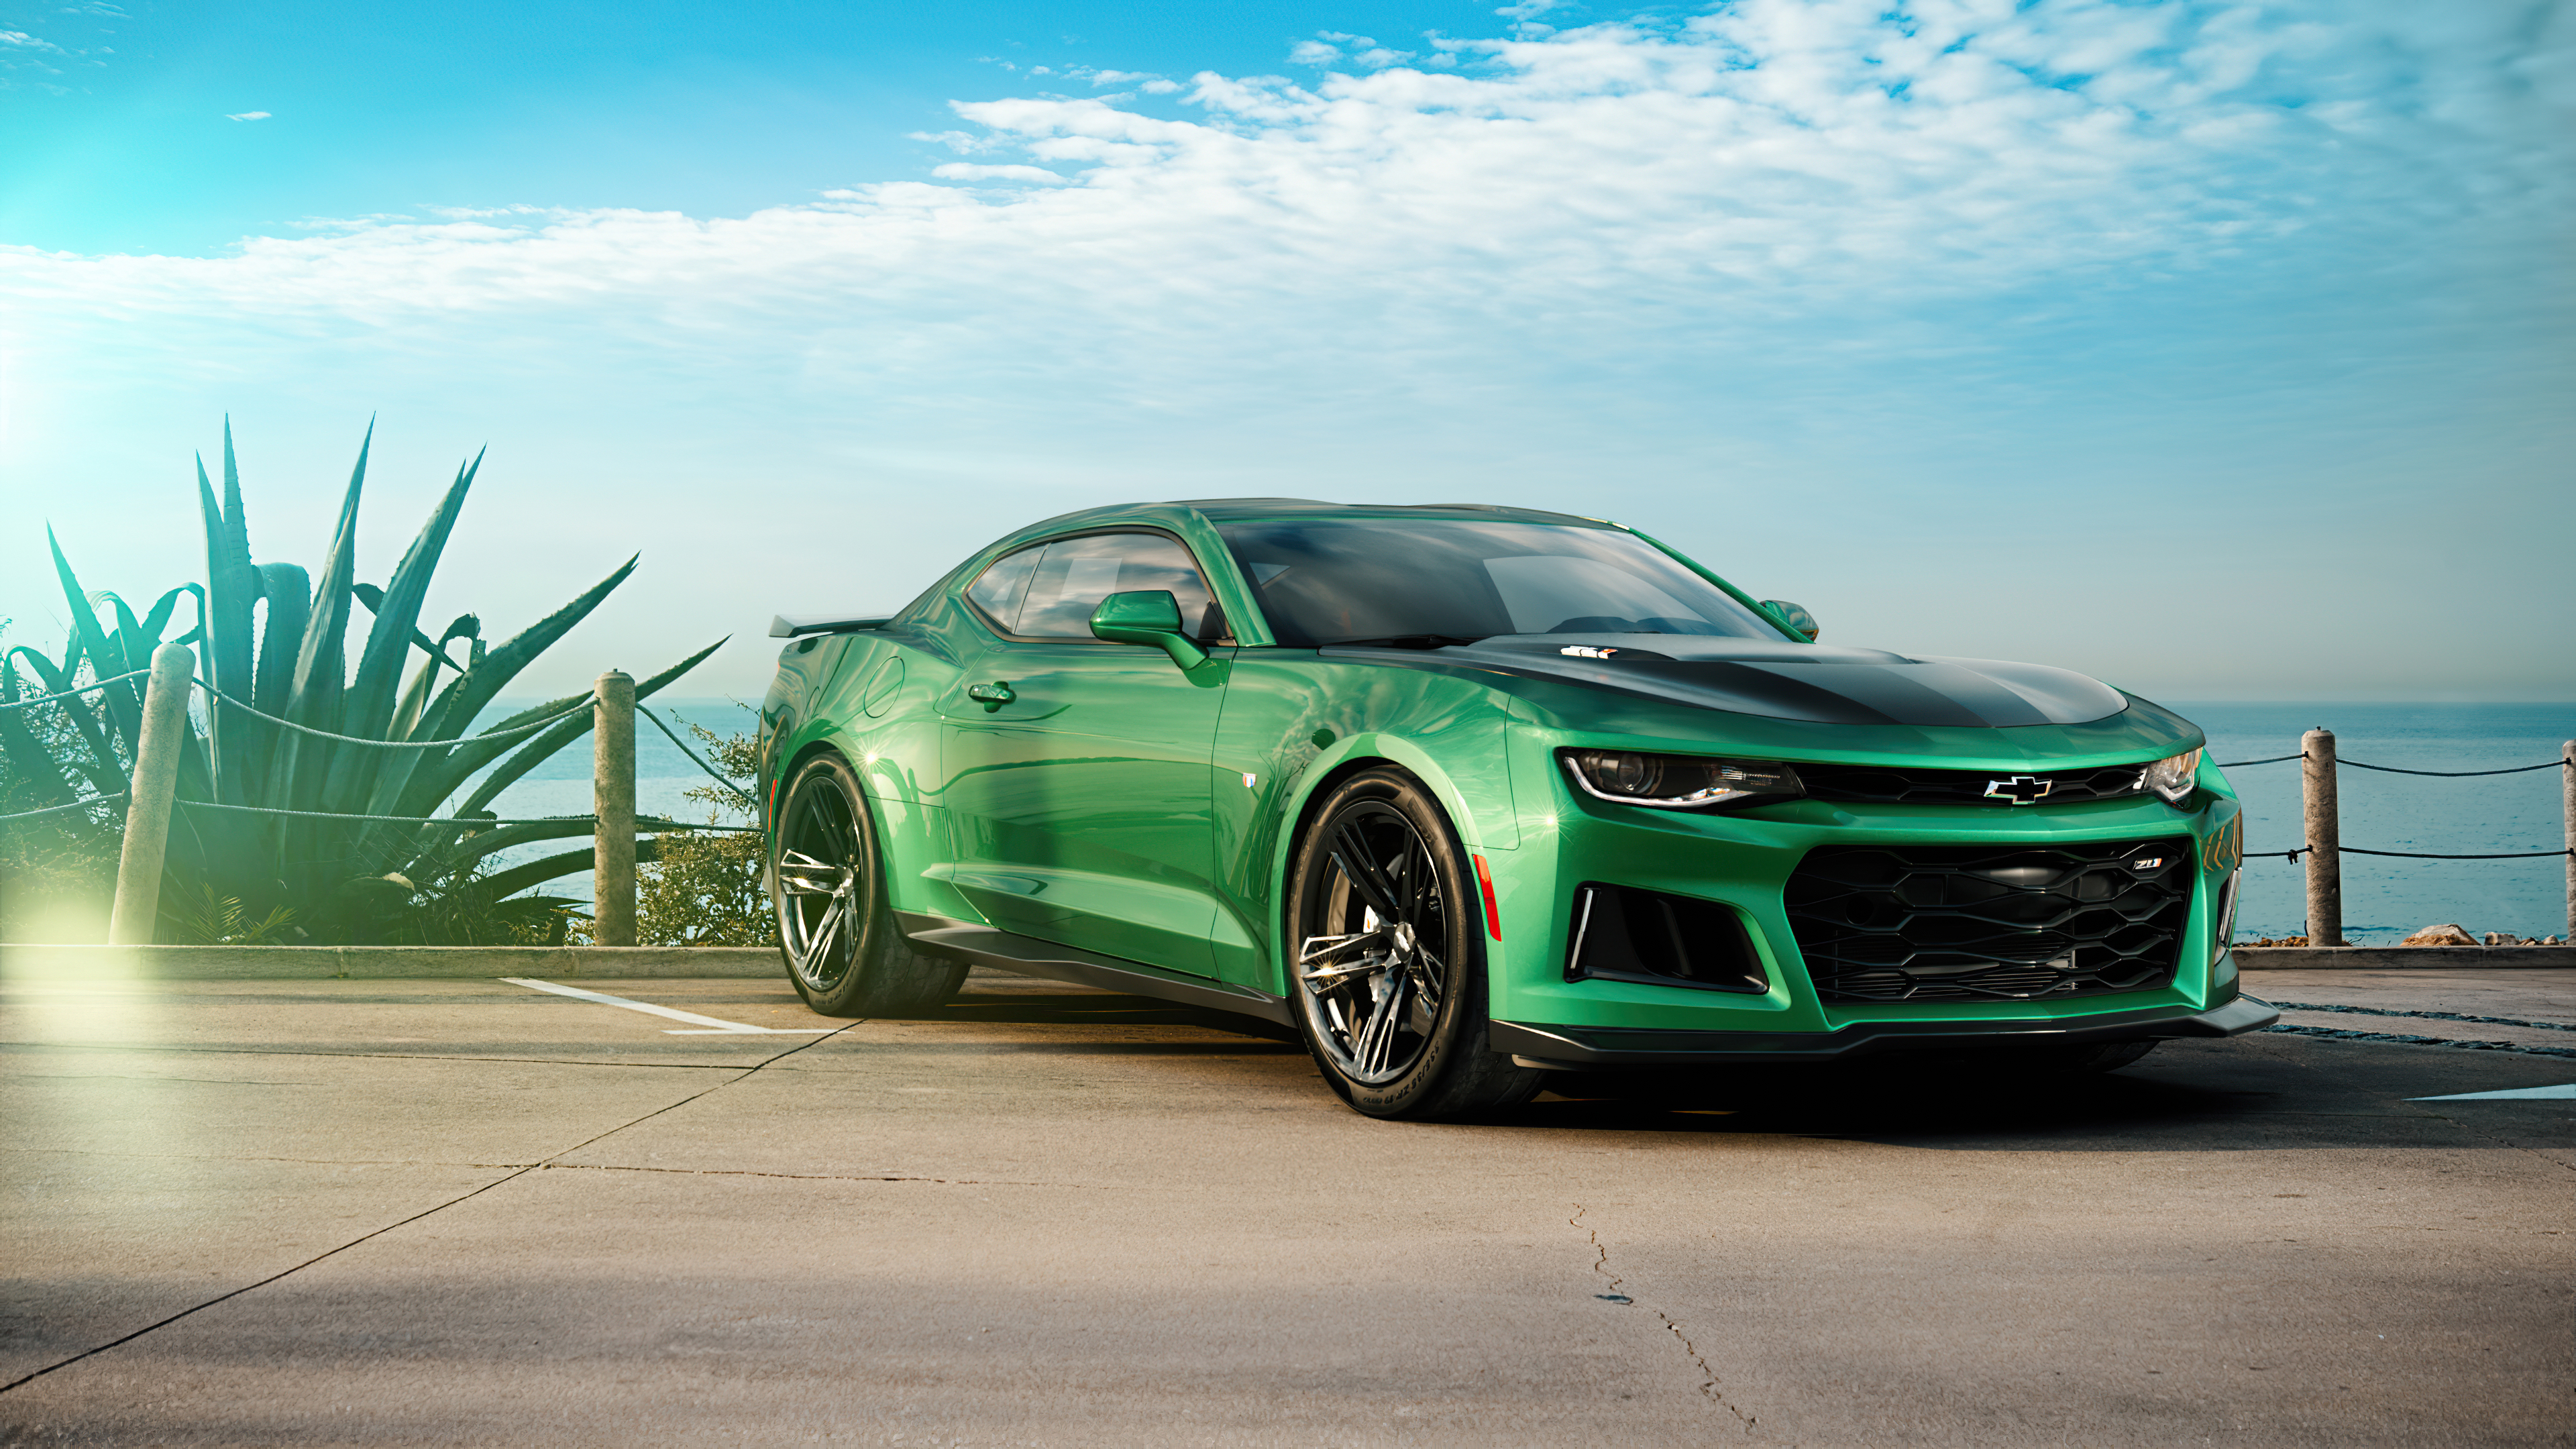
column 786, row 626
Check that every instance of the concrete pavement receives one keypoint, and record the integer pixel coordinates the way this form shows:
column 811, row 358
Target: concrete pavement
column 469, row 1212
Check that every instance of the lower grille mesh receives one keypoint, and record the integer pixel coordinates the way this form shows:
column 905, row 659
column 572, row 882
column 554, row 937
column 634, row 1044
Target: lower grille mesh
column 1985, row 923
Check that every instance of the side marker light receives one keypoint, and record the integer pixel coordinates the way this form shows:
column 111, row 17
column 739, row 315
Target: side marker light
column 1485, row 883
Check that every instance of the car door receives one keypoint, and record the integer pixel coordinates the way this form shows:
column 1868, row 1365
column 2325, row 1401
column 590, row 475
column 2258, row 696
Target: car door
column 1077, row 772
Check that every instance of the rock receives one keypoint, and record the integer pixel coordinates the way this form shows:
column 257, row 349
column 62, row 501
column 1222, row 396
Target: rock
column 2448, row 934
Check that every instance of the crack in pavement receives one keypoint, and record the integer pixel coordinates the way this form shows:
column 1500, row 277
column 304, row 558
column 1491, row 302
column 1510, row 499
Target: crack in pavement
column 741, row 1073
column 553, row 1166
column 1708, row 1375
column 77, row 1046
column 270, row 1157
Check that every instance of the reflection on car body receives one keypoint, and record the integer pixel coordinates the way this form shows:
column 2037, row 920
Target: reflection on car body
column 1470, row 795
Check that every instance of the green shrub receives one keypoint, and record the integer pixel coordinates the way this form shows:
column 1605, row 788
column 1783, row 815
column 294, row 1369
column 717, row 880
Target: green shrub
column 703, row 887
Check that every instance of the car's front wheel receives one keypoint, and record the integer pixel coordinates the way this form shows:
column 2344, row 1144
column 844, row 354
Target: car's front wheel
column 834, row 927
column 1386, row 964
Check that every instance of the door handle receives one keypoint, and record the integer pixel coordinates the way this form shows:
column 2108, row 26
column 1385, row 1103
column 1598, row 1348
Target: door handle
column 996, row 693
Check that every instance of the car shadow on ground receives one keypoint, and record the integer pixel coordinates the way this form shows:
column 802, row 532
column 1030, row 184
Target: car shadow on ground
column 1916, row 1101
column 2221, row 1096
column 1099, row 1009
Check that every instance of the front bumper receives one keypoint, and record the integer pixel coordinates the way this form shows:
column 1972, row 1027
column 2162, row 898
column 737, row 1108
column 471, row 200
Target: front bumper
column 1588, row 1048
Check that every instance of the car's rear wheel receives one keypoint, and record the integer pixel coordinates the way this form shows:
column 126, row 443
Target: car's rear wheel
column 1386, row 956
column 834, row 927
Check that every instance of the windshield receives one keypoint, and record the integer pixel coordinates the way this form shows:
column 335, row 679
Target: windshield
column 1343, row 581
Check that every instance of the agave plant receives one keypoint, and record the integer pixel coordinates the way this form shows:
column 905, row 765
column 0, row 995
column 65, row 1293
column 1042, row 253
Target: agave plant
column 270, row 639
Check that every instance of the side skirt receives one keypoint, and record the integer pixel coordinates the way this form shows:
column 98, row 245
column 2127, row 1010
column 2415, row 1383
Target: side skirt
column 1004, row 951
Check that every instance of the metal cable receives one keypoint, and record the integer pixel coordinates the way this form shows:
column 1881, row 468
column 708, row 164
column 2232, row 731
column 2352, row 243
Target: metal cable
column 471, row 822
column 737, row 790
column 59, row 809
column 2453, row 774
column 2394, row 770
column 484, row 738
column 73, row 693
column 2292, row 856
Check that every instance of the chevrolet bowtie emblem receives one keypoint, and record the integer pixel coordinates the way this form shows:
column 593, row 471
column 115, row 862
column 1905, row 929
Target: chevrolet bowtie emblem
column 2020, row 789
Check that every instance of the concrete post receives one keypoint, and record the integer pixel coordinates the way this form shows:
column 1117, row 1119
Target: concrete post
column 2567, row 784
column 612, row 797
column 149, row 799
column 2325, row 839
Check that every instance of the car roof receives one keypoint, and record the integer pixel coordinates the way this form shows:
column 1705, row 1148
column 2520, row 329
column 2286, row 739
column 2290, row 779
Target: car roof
column 1231, row 510
column 1223, row 510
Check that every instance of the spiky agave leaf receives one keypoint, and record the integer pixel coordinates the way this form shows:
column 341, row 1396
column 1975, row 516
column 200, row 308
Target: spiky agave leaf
column 29, row 759
column 528, row 756
column 321, row 658
column 416, row 695
column 232, row 591
column 123, row 702
column 370, row 706
column 491, row 672
column 288, row 591
column 418, row 784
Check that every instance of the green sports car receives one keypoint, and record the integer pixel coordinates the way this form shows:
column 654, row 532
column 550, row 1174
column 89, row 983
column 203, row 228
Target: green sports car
column 1470, row 795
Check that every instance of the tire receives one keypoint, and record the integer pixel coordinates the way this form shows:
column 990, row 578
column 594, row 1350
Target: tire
column 1386, row 957
column 835, row 931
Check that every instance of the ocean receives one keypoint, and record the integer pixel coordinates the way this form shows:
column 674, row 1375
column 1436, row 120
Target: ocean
column 2384, row 899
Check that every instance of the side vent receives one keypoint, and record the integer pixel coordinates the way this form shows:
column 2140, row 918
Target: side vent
column 1620, row 933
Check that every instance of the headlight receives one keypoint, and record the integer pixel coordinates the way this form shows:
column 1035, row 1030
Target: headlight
column 2173, row 780
column 1678, row 782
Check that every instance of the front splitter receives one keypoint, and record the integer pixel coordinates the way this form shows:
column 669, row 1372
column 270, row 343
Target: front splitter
column 1590, row 1048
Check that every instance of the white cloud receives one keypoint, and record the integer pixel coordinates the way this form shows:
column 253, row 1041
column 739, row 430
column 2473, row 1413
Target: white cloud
column 1698, row 251
column 249, row 116
column 1313, row 52
column 961, row 171
column 1767, row 156
column 1143, row 80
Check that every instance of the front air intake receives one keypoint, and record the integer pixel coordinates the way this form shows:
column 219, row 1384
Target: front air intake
column 1620, row 933
column 1991, row 923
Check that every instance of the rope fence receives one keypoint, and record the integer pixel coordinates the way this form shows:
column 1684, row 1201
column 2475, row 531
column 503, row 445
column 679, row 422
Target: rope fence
column 91, row 688
column 59, row 809
column 469, row 822
column 487, row 737
column 2395, row 770
column 612, row 708
column 711, row 770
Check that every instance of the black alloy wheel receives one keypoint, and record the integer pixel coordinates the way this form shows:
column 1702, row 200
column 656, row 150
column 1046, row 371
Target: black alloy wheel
column 1387, row 965
column 834, row 928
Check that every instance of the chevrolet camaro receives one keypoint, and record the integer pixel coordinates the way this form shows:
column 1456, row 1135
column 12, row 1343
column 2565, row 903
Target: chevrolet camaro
column 1467, row 796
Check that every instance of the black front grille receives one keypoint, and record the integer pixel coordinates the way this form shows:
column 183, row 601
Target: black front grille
column 1875, row 785
column 1985, row 923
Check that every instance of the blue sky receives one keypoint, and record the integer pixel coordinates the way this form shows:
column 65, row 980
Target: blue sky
column 2221, row 350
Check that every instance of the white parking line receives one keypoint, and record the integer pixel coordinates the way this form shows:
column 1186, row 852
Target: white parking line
column 708, row 1025
column 2516, row 1094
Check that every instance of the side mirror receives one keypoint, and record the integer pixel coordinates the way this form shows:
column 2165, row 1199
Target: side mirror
column 1147, row 616
column 1793, row 616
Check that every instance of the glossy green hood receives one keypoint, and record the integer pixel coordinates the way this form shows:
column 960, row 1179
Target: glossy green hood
column 1806, row 701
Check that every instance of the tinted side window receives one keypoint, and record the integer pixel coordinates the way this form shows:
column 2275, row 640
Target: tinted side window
column 998, row 591
column 1077, row 573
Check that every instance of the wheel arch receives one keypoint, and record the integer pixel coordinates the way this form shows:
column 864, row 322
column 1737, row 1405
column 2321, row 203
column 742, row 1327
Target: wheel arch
column 1352, row 757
